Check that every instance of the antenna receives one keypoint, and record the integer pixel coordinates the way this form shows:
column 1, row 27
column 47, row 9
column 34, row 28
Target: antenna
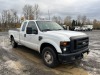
column 48, row 14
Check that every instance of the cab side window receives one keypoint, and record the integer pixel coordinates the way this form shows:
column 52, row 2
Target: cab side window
column 32, row 25
column 24, row 25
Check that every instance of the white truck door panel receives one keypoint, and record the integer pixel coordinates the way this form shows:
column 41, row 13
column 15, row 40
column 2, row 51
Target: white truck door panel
column 23, row 33
column 22, row 39
column 31, row 40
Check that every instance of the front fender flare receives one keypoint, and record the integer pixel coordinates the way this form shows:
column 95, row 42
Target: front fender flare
column 50, row 42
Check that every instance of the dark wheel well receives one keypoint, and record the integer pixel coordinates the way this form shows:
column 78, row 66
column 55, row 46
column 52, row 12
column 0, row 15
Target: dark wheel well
column 13, row 43
column 46, row 45
column 11, row 37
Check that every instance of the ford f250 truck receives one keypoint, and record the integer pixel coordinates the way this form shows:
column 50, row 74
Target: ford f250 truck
column 55, row 44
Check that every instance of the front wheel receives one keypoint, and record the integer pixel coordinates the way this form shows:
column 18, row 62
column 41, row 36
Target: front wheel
column 49, row 57
column 13, row 43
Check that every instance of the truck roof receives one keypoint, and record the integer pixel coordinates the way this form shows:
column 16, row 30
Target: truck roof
column 37, row 20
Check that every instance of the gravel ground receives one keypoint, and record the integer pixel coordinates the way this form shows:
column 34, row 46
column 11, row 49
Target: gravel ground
column 92, row 63
column 24, row 61
column 13, row 65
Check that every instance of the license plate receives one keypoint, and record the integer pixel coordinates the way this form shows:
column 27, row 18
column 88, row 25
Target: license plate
column 85, row 55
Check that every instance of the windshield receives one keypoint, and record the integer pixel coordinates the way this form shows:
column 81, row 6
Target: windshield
column 48, row 26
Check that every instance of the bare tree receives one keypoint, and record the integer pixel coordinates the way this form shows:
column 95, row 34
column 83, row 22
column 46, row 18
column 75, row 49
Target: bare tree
column 28, row 12
column 95, row 23
column 54, row 18
column 84, row 18
column 36, row 11
column 67, row 20
column 57, row 19
column 4, row 19
column 88, row 22
column 14, row 17
column 79, row 19
column 9, row 18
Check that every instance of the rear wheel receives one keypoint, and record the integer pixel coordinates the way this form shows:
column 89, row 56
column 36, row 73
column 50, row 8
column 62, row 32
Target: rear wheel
column 13, row 43
column 49, row 57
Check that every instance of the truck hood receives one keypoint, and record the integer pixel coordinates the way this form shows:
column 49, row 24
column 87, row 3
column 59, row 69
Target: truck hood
column 65, row 33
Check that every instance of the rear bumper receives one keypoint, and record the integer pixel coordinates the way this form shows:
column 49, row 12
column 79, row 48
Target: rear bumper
column 72, row 56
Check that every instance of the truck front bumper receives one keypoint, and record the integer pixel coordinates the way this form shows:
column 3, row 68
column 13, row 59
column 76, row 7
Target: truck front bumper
column 72, row 56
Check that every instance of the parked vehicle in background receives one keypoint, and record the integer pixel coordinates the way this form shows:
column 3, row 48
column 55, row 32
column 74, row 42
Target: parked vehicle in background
column 89, row 27
column 65, row 27
column 51, row 40
column 77, row 28
column 84, row 28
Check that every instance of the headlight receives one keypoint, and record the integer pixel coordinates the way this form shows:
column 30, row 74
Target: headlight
column 64, row 49
column 63, row 43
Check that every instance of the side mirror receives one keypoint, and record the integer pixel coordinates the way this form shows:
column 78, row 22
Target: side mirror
column 29, row 30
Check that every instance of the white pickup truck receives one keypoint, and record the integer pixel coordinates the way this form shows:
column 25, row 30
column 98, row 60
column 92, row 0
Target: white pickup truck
column 55, row 44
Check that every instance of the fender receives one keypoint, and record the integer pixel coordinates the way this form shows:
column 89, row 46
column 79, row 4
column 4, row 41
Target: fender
column 12, row 34
column 50, row 42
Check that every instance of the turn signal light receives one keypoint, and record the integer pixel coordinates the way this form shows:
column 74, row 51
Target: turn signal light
column 63, row 43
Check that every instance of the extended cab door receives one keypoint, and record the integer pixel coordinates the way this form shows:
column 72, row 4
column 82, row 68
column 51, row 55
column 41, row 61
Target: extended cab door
column 23, row 33
column 31, row 39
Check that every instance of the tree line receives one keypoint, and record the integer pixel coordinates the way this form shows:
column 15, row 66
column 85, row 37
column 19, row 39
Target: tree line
column 79, row 21
column 10, row 19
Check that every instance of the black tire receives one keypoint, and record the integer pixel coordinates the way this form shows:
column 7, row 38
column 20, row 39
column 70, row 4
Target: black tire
column 13, row 43
column 52, row 53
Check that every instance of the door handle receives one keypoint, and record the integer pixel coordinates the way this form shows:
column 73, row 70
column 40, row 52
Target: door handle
column 24, row 35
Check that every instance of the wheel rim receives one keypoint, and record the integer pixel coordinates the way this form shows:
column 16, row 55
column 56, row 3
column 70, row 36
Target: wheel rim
column 48, row 57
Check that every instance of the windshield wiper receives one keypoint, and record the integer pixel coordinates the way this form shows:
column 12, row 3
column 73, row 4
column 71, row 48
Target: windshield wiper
column 58, row 29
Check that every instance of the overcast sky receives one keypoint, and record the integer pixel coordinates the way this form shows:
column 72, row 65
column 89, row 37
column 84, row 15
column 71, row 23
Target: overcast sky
column 90, row 8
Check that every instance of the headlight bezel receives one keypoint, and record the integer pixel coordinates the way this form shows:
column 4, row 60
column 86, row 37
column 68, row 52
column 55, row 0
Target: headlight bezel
column 63, row 45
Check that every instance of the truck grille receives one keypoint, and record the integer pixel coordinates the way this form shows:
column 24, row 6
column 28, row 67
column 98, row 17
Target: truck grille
column 79, row 43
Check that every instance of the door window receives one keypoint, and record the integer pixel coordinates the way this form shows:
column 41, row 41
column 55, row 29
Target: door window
column 24, row 25
column 32, row 25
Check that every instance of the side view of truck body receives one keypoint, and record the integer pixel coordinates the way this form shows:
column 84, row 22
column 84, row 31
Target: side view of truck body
column 50, row 39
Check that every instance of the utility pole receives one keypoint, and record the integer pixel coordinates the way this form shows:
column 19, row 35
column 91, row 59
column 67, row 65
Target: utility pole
column 48, row 15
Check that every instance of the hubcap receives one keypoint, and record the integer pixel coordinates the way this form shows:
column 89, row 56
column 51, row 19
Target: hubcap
column 48, row 57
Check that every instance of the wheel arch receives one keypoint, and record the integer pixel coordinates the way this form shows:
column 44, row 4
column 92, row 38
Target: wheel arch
column 52, row 44
column 11, row 36
column 43, row 45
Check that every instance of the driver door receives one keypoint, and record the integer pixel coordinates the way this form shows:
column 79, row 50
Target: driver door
column 32, row 39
